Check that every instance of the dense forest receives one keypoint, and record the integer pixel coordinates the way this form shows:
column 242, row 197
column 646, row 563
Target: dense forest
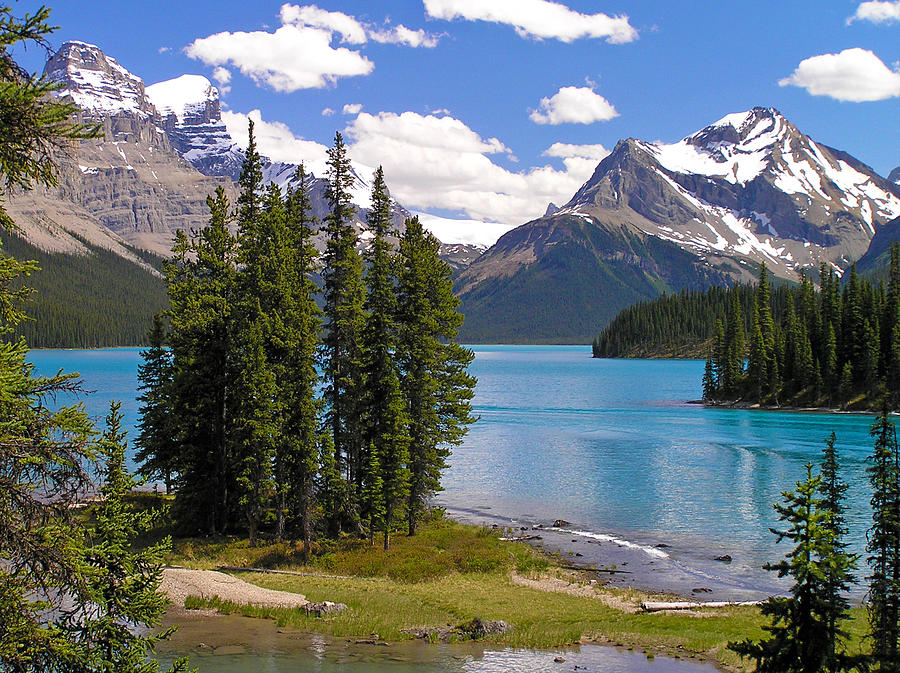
column 86, row 301
column 271, row 416
column 837, row 344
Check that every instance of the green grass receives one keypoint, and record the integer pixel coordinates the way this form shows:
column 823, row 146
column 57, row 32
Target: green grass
column 449, row 574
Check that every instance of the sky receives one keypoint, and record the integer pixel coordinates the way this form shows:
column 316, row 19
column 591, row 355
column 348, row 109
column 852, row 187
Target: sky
column 485, row 111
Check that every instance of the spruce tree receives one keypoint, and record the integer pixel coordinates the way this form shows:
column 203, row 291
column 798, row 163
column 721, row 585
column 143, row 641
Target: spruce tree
column 883, row 546
column 299, row 455
column 436, row 385
column 800, row 639
column 123, row 584
column 157, row 451
column 385, row 414
column 202, row 286
column 344, row 320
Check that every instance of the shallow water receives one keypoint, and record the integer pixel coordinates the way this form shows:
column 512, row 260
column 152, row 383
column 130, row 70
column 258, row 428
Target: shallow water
column 232, row 644
column 612, row 447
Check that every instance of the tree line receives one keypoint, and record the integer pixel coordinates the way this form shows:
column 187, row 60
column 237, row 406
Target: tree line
column 807, row 627
column 265, row 413
column 835, row 345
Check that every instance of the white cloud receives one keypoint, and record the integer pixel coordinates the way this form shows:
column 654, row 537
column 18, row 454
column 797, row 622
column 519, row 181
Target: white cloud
column 877, row 11
column 574, row 105
column 853, row 75
column 291, row 58
column 352, row 108
column 439, row 162
column 400, row 34
column 351, row 30
column 222, row 75
column 276, row 141
column 537, row 18
column 472, row 232
column 327, row 112
column 163, row 50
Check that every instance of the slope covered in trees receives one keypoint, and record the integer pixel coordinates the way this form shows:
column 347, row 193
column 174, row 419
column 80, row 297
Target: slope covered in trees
column 86, row 301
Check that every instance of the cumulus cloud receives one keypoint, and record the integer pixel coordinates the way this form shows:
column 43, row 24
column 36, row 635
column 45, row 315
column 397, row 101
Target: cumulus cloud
column 291, row 58
column 276, row 140
column 439, row 162
column 537, row 18
column 574, row 105
column 327, row 112
column 352, row 108
column 222, row 75
column 351, row 30
column 855, row 75
column 877, row 11
column 400, row 34
column 300, row 54
column 163, row 50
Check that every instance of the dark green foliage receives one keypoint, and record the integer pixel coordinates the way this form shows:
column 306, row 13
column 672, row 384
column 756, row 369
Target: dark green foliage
column 86, row 301
column 803, row 347
column 435, row 383
column 344, row 321
column 157, row 450
column 883, row 600
column 804, row 633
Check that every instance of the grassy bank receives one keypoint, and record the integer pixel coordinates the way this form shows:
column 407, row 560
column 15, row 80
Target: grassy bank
column 449, row 574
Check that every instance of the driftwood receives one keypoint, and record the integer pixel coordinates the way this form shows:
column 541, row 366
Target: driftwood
column 659, row 606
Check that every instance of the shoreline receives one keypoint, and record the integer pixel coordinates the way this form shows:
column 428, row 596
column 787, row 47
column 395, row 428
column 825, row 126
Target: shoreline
column 618, row 563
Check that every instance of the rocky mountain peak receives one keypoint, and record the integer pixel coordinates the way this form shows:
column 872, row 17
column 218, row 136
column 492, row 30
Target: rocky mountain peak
column 191, row 99
column 895, row 176
column 96, row 82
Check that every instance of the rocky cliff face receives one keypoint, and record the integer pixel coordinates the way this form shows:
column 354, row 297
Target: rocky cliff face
column 895, row 176
column 130, row 185
column 748, row 189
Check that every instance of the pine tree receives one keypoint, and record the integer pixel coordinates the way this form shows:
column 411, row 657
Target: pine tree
column 157, row 450
column 883, row 600
column 344, row 320
column 436, row 385
column 800, row 640
column 709, row 380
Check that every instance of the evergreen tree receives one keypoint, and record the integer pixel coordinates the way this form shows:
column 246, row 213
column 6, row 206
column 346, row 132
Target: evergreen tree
column 709, row 380
column 124, row 582
column 734, row 348
column 202, row 286
column 385, row 415
column 883, row 601
column 436, row 385
column 298, row 457
column 344, row 320
column 837, row 576
column 157, row 450
column 800, row 640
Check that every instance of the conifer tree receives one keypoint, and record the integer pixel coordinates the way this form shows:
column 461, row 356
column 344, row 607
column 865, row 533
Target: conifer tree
column 385, row 415
column 298, row 457
column 344, row 320
column 837, row 574
column 123, row 585
column 799, row 637
column 436, row 385
column 157, row 450
column 202, row 286
column 883, row 600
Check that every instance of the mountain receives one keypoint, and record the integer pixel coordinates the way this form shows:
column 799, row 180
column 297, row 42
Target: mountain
column 654, row 217
column 895, row 176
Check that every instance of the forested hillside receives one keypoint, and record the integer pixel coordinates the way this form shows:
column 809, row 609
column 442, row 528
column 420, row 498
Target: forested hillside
column 87, row 301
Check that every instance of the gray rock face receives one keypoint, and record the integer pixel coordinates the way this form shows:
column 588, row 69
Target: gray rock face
column 895, row 176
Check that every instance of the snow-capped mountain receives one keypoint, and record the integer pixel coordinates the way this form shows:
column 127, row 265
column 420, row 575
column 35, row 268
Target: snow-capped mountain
column 188, row 111
column 708, row 209
column 749, row 187
column 895, row 176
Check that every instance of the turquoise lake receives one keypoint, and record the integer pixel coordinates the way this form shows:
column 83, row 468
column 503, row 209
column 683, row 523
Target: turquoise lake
column 612, row 446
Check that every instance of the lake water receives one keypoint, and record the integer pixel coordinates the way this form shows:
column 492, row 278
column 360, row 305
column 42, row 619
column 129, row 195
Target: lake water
column 613, row 447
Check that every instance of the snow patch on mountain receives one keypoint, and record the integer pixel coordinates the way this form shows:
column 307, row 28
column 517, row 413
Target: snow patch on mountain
column 182, row 96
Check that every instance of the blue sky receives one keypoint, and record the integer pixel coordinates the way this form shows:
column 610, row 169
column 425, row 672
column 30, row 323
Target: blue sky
column 452, row 105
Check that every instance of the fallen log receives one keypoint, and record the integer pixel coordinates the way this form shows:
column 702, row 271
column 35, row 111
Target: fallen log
column 659, row 606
